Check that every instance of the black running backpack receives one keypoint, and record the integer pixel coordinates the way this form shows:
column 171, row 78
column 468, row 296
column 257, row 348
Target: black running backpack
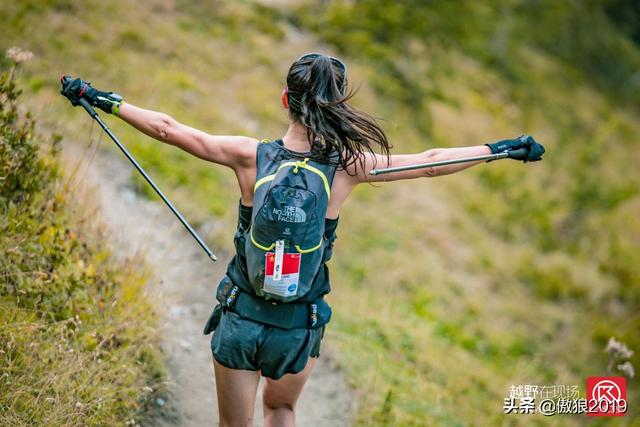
column 285, row 243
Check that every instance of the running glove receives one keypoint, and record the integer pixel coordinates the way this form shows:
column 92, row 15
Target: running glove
column 534, row 150
column 74, row 89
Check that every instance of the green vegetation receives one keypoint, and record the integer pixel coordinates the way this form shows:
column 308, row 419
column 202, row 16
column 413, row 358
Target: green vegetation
column 76, row 336
column 551, row 246
column 504, row 274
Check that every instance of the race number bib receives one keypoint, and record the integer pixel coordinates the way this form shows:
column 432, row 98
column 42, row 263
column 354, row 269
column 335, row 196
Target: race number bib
column 281, row 272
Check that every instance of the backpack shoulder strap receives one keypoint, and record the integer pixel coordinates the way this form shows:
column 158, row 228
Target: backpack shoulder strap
column 271, row 154
column 268, row 156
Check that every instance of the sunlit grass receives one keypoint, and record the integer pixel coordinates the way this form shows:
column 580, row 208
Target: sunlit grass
column 77, row 339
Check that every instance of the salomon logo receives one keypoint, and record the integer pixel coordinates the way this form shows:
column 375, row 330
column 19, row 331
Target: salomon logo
column 232, row 296
column 314, row 314
column 290, row 214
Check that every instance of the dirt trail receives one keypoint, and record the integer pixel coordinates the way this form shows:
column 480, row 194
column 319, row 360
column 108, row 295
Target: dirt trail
column 186, row 280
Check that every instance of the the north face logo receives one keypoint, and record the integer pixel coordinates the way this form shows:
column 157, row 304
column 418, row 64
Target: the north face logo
column 290, row 214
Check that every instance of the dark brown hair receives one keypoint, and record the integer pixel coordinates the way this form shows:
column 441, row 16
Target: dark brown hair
column 317, row 95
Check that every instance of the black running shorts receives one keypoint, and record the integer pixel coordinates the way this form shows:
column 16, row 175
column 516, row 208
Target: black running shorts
column 240, row 343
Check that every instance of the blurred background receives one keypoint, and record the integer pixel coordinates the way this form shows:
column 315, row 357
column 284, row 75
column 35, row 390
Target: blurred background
column 447, row 291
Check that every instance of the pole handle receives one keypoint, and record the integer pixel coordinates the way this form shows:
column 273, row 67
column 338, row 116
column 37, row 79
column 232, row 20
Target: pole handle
column 85, row 104
column 520, row 152
column 82, row 101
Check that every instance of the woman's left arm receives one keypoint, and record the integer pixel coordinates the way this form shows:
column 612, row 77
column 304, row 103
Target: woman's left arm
column 236, row 152
column 227, row 150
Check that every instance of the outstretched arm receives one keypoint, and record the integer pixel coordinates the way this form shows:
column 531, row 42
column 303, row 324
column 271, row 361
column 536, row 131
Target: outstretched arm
column 523, row 148
column 373, row 161
column 232, row 151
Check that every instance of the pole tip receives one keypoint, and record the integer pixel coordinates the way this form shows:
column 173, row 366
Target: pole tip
column 373, row 172
column 213, row 257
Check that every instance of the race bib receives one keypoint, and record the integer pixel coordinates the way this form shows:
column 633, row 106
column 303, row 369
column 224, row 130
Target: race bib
column 281, row 272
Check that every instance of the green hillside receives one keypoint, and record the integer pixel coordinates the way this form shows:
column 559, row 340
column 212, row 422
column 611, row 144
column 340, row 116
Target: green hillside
column 77, row 345
column 447, row 291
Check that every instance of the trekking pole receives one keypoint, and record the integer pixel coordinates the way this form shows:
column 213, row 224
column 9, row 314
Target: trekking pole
column 487, row 157
column 94, row 115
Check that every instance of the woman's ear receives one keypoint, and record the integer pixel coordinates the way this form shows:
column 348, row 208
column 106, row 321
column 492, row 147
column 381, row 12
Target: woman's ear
column 285, row 98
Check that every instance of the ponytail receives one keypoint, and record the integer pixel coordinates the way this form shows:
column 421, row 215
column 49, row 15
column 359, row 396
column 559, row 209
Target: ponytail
column 337, row 132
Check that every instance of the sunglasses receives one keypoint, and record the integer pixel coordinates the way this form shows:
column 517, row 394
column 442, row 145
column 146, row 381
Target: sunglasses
column 335, row 61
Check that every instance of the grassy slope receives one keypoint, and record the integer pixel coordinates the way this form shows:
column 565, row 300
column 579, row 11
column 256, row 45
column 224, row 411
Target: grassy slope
column 547, row 271
column 76, row 338
column 502, row 275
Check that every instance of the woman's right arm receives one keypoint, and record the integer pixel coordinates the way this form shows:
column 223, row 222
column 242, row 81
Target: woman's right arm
column 232, row 151
column 361, row 170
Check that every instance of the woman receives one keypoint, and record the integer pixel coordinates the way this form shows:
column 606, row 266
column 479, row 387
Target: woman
column 337, row 143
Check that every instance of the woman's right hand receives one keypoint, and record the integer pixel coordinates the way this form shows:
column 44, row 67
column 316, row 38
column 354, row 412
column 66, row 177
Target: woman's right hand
column 534, row 150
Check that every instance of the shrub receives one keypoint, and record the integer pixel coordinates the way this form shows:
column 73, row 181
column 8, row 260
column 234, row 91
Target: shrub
column 76, row 344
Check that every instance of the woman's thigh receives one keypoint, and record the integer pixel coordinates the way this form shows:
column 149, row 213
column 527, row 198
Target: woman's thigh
column 236, row 389
column 285, row 391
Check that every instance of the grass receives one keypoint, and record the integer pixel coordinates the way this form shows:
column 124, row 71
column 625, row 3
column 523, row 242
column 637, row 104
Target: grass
column 77, row 343
column 505, row 274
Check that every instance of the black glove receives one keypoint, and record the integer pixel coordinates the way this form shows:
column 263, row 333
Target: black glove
column 74, row 89
column 534, row 150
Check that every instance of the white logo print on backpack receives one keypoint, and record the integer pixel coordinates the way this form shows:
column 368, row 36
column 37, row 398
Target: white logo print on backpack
column 290, row 214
